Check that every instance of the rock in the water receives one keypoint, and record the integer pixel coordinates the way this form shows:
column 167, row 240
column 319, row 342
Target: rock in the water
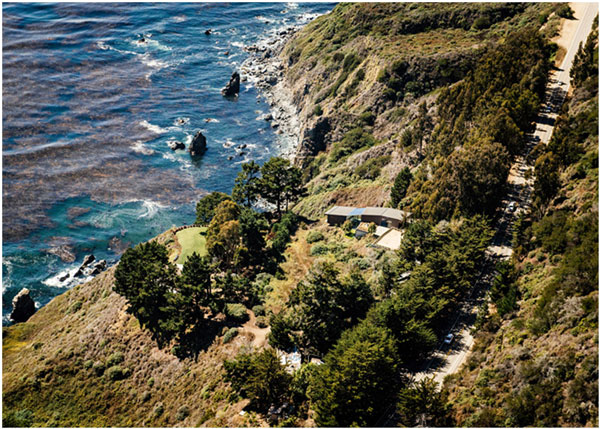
column 63, row 278
column 98, row 268
column 23, row 306
column 233, row 87
column 230, row 157
column 198, row 145
column 208, row 32
column 88, row 260
column 176, row 145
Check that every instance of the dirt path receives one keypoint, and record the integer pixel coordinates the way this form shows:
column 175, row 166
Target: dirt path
column 260, row 334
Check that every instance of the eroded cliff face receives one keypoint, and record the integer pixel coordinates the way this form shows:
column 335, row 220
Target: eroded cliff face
column 364, row 65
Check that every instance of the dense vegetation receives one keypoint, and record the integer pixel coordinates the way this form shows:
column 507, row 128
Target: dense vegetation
column 361, row 317
column 536, row 358
column 482, row 125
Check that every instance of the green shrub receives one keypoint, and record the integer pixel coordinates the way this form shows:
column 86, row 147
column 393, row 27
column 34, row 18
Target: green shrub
column 115, row 373
column 182, row 413
column 318, row 110
column 355, row 139
column 481, row 23
column 318, row 249
column 98, row 368
column 146, row 396
column 389, row 94
column 262, row 321
column 151, row 382
column 115, row 359
column 237, row 312
column 20, row 418
column 565, row 11
column 230, row 335
column 338, row 56
column 88, row 364
column 372, row 168
column 258, row 310
column 314, row 236
column 75, row 307
column 367, row 118
column 159, row 409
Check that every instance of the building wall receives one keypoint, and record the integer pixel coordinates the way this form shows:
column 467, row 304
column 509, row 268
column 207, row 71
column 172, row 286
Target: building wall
column 335, row 219
column 381, row 220
column 369, row 218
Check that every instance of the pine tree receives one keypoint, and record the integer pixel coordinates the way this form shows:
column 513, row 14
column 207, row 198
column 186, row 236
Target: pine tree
column 400, row 187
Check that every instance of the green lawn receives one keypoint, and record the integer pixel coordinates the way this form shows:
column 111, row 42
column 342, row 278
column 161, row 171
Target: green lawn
column 191, row 241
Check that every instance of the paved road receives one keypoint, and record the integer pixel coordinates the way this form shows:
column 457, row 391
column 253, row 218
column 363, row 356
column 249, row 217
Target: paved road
column 449, row 358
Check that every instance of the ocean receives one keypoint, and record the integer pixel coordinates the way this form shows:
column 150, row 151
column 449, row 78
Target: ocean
column 92, row 94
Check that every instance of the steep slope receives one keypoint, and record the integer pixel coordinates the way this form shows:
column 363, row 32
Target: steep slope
column 535, row 360
column 82, row 360
column 370, row 67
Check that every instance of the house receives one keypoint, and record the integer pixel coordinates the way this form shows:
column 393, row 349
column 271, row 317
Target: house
column 382, row 216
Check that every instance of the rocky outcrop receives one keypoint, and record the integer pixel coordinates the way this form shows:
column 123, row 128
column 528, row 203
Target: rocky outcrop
column 176, row 145
column 198, row 145
column 87, row 260
column 23, row 306
column 314, row 139
column 233, row 87
column 87, row 268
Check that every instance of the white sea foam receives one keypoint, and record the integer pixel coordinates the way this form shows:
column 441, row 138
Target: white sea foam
column 151, row 208
column 55, row 281
column 228, row 144
column 139, row 147
column 153, row 63
column 154, row 128
column 154, row 44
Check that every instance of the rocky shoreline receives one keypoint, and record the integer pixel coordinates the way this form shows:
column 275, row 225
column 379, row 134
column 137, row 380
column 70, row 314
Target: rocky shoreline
column 265, row 70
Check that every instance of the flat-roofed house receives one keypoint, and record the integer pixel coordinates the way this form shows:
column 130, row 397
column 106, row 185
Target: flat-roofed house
column 381, row 216
column 337, row 215
column 384, row 216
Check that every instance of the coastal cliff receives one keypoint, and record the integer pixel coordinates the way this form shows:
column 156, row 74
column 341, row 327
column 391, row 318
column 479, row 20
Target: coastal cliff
column 357, row 89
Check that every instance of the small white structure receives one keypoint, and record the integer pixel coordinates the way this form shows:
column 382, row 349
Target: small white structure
column 291, row 361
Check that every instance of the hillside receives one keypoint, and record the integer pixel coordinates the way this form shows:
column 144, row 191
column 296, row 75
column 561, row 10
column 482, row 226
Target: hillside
column 420, row 107
column 370, row 67
column 535, row 360
column 82, row 360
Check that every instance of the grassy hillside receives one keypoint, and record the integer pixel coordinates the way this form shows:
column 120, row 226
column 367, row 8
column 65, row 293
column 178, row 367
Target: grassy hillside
column 379, row 87
column 369, row 67
column 82, row 360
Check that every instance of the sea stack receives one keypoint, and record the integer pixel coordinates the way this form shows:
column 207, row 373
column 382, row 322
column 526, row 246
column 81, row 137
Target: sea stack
column 233, row 87
column 198, row 145
column 23, row 306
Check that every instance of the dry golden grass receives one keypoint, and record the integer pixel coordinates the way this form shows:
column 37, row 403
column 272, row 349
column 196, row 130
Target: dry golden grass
column 48, row 368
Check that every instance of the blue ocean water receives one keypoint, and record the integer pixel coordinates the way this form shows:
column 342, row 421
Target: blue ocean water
column 88, row 109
